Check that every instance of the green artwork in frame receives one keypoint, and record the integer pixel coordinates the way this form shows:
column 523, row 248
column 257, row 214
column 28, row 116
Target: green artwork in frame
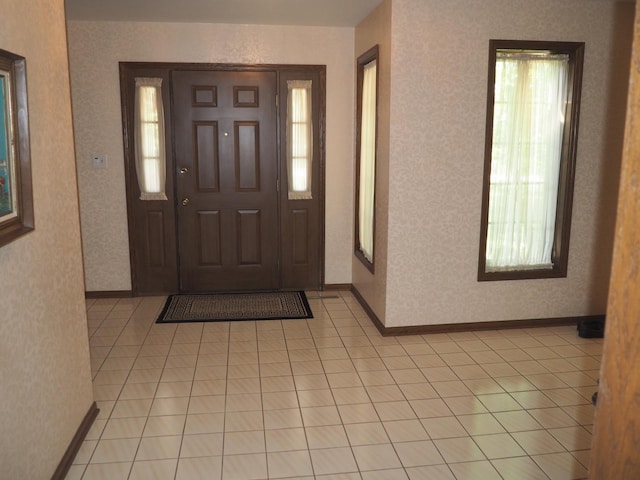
column 8, row 207
column 16, row 193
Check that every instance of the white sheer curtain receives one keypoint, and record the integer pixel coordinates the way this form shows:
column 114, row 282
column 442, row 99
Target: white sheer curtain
column 367, row 161
column 530, row 103
column 149, row 139
column 299, row 139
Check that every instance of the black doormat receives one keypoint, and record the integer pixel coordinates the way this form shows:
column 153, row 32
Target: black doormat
column 224, row 307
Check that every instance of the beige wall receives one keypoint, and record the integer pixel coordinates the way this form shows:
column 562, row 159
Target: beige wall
column 376, row 30
column 95, row 48
column 438, row 107
column 45, row 378
column 430, row 154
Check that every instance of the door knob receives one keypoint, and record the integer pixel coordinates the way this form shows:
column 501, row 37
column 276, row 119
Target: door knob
column 185, row 202
column 184, row 170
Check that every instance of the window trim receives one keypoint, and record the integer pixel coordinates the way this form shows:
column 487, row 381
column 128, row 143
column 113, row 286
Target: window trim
column 560, row 252
column 363, row 60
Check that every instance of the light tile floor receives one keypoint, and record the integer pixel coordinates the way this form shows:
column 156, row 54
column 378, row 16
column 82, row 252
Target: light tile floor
column 330, row 398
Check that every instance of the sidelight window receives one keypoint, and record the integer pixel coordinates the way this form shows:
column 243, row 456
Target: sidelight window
column 529, row 159
column 300, row 139
column 366, row 155
column 150, row 139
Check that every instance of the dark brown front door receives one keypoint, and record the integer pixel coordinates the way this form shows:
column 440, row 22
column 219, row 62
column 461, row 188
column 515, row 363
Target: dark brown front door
column 226, row 179
column 236, row 231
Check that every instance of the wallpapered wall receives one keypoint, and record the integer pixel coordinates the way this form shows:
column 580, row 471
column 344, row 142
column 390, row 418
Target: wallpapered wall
column 430, row 172
column 95, row 48
column 438, row 107
column 45, row 388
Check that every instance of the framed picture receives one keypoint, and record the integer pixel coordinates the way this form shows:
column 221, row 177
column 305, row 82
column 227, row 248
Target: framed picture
column 16, row 195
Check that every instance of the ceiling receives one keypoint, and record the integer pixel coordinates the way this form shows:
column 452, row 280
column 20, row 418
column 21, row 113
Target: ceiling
column 338, row 13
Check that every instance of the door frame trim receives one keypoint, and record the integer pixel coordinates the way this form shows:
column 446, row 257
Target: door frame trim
column 128, row 70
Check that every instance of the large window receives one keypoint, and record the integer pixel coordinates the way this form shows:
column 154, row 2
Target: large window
column 367, row 110
column 532, row 124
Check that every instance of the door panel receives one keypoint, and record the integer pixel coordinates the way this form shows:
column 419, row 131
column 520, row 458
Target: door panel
column 225, row 144
column 300, row 236
column 207, row 155
column 249, row 237
column 209, row 228
column 152, row 236
column 155, row 230
column 247, row 157
column 302, row 221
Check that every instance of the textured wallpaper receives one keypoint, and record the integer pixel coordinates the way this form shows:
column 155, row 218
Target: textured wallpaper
column 45, row 378
column 376, row 30
column 95, row 48
column 438, row 107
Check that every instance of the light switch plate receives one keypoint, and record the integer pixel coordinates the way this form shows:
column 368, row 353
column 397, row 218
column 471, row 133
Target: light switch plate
column 99, row 161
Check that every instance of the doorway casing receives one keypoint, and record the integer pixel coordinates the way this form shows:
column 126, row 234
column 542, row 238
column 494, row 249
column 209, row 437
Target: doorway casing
column 153, row 238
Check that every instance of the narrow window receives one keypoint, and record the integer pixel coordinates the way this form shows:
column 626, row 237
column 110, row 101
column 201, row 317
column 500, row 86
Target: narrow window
column 366, row 156
column 299, row 139
column 532, row 119
column 149, row 139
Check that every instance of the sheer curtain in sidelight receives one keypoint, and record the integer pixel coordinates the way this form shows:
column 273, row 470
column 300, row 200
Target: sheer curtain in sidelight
column 367, row 161
column 300, row 139
column 150, row 139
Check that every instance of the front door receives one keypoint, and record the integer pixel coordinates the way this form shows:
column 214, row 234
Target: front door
column 226, row 180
